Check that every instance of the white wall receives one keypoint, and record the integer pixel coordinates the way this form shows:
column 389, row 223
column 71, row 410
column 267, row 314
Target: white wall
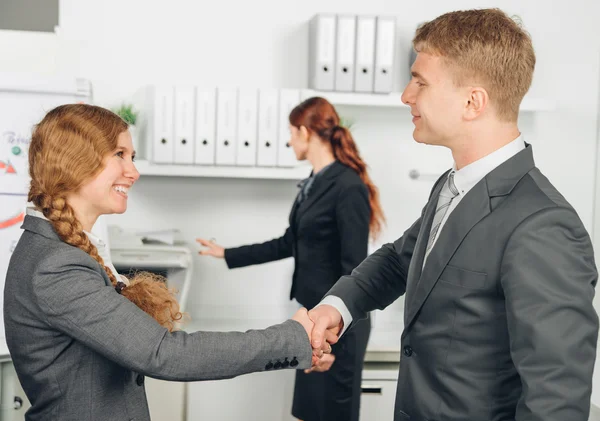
column 121, row 45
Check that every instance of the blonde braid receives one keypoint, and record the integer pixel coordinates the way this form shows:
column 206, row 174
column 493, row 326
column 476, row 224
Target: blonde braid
column 69, row 229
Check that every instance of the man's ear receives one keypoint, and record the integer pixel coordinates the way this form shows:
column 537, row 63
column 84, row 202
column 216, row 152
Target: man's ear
column 477, row 102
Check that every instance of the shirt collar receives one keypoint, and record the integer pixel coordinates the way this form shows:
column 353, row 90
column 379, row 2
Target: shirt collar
column 307, row 182
column 466, row 178
column 322, row 170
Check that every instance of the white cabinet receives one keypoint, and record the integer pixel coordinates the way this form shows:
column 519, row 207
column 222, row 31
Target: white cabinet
column 13, row 403
column 258, row 396
column 379, row 381
column 166, row 400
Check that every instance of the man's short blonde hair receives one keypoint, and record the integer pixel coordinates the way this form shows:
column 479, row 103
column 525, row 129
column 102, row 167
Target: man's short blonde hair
column 484, row 47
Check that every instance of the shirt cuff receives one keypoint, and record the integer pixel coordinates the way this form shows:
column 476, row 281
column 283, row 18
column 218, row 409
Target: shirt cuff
column 338, row 304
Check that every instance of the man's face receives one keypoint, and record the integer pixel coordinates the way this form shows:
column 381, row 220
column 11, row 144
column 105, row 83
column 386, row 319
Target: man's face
column 436, row 103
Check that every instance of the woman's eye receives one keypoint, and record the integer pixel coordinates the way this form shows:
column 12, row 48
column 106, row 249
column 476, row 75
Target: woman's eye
column 119, row 154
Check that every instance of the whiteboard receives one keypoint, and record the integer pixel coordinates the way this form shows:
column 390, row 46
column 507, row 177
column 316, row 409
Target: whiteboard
column 23, row 103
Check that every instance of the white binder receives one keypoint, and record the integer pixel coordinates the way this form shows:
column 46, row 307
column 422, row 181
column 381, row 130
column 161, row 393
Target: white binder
column 247, row 125
column 268, row 114
column 365, row 53
column 156, row 121
column 226, row 126
column 288, row 100
column 322, row 52
column 344, row 56
column 384, row 53
column 205, row 138
column 184, row 124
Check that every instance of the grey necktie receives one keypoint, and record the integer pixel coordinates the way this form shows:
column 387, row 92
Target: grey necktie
column 448, row 192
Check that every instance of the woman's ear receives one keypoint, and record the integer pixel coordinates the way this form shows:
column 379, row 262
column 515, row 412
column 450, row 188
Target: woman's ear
column 303, row 131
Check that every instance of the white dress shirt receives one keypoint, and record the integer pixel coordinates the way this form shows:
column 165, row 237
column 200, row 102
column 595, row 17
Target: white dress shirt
column 103, row 250
column 464, row 179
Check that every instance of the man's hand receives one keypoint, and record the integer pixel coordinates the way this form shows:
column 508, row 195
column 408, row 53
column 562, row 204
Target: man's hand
column 301, row 317
column 328, row 323
column 213, row 249
column 323, row 364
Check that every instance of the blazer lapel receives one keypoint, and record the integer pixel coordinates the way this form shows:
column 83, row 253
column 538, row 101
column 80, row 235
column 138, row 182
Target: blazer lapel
column 293, row 212
column 320, row 186
column 475, row 206
column 416, row 263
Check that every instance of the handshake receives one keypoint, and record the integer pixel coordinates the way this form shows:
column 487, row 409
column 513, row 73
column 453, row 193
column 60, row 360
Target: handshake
column 322, row 324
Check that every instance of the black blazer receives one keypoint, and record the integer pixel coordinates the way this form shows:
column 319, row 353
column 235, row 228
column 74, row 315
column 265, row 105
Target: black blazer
column 328, row 235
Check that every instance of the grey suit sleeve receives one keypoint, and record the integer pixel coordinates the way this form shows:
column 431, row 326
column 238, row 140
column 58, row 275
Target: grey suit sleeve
column 76, row 301
column 548, row 276
column 380, row 279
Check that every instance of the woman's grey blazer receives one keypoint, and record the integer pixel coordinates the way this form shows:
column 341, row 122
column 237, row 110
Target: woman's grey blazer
column 81, row 350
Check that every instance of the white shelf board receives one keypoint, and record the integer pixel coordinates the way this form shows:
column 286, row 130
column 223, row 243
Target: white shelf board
column 146, row 168
column 394, row 100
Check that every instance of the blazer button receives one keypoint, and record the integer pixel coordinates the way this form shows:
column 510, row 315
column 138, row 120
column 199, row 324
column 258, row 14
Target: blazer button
column 285, row 363
column 277, row 365
column 294, row 362
column 139, row 380
column 408, row 351
column 269, row 365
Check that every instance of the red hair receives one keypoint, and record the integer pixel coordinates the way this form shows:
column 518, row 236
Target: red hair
column 320, row 117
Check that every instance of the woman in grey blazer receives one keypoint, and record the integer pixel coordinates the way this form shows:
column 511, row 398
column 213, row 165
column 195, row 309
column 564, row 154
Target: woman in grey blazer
column 82, row 337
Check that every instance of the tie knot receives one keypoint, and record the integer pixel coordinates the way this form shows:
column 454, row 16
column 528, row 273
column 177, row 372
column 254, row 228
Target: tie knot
column 451, row 187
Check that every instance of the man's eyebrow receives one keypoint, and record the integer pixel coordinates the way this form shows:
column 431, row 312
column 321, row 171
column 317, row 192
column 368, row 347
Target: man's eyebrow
column 419, row 75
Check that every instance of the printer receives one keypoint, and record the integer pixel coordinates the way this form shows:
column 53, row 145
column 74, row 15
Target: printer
column 158, row 252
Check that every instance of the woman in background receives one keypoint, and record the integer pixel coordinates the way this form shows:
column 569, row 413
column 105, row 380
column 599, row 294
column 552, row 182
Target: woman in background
column 335, row 210
column 81, row 336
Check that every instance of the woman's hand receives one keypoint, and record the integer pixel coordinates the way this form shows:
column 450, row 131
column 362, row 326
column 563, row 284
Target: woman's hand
column 213, row 249
column 324, row 364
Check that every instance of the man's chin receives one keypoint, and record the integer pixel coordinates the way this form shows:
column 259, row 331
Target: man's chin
column 419, row 138
column 425, row 140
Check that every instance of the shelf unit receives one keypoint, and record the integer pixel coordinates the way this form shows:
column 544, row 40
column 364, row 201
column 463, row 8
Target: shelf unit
column 275, row 173
column 394, row 100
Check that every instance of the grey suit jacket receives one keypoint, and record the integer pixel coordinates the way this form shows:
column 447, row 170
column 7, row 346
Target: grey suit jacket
column 499, row 323
column 81, row 350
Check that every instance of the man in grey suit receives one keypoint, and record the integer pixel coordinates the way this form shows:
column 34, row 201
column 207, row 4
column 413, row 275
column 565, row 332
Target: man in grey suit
column 499, row 270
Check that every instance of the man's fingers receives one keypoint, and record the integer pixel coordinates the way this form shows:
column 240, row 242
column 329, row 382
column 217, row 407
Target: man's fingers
column 322, row 365
column 331, row 337
column 318, row 332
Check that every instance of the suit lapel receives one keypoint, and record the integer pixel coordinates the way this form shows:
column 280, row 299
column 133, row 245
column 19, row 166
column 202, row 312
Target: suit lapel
column 475, row 206
column 416, row 264
column 472, row 208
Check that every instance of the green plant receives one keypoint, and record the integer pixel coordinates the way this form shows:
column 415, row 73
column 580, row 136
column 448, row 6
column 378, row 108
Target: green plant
column 346, row 122
column 127, row 113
